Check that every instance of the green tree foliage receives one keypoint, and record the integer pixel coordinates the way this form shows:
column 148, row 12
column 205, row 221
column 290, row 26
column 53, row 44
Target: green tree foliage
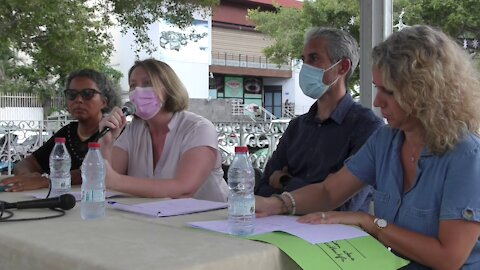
column 42, row 41
column 286, row 27
column 287, row 37
column 45, row 40
column 458, row 18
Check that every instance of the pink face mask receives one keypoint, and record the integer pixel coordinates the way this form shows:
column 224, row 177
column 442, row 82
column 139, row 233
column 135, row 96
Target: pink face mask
column 147, row 102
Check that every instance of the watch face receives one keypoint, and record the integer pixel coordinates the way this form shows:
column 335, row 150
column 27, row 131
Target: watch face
column 382, row 223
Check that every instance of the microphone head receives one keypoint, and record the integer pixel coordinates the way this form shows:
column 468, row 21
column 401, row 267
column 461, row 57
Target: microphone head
column 67, row 201
column 128, row 108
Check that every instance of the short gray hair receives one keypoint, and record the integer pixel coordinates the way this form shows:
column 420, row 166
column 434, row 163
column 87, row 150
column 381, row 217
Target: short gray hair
column 340, row 44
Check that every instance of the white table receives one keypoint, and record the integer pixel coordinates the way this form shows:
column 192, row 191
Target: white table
column 127, row 241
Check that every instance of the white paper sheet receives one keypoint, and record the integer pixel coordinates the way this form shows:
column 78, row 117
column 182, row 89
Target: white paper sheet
column 313, row 233
column 172, row 207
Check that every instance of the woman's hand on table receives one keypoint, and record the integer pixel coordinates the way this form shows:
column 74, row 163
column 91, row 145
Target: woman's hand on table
column 360, row 219
column 267, row 206
column 25, row 182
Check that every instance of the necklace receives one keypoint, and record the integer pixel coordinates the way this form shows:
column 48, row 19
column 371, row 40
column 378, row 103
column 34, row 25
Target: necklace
column 413, row 154
column 78, row 147
column 81, row 136
column 412, row 158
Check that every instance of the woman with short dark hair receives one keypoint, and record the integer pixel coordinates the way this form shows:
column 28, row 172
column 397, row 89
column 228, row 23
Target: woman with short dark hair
column 89, row 94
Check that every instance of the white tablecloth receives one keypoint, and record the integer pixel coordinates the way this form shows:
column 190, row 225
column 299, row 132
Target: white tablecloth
column 124, row 240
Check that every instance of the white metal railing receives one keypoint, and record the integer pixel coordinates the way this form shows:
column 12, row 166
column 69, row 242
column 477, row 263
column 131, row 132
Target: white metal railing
column 20, row 138
column 265, row 115
column 232, row 59
column 289, row 111
column 28, row 100
column 261, row 137
column 253, row 111
column 19, row 100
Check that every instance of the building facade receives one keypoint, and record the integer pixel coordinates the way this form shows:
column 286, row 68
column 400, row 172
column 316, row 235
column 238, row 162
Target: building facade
column 220, row 57
column 240, row 71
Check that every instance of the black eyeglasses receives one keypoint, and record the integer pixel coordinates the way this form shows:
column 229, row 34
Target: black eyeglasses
column 86, row 93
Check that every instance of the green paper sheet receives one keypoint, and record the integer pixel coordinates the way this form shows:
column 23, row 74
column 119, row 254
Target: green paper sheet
column 356, row 254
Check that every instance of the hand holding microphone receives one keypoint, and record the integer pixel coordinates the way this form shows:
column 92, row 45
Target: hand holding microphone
column 117, row 117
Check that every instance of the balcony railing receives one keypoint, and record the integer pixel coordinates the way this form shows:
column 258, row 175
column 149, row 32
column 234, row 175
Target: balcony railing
column 246, row 61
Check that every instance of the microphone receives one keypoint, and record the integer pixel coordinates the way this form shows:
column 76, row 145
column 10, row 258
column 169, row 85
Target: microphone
column 127, row 109
column 65, row 202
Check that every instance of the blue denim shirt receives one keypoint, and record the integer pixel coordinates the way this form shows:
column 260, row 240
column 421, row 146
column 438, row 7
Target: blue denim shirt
column 313, row 149
column 447, row 186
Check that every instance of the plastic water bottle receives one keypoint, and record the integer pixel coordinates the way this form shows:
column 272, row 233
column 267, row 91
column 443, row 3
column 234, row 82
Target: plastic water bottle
column 241, row 200
column 93, row 183
column 60, row 163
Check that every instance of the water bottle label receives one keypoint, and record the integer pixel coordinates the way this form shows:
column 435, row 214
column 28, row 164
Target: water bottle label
column 60, row 183
column 241, row 207
column 93, row 195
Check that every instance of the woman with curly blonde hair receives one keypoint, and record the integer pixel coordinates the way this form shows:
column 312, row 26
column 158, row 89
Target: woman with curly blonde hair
column 433, row 80
column 425, row 164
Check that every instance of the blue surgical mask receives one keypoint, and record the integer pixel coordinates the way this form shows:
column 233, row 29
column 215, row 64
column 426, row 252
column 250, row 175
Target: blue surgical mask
column 311, row 81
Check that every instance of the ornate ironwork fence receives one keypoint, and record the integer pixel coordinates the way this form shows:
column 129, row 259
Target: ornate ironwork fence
column 20, row 138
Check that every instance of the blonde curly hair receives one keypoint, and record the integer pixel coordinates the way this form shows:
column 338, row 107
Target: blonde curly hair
column 434, row 80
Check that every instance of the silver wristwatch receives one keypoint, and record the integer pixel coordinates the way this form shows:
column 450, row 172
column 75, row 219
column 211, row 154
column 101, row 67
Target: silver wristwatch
column 381, row 223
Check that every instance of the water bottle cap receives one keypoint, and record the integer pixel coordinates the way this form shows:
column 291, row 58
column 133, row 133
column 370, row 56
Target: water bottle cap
column 60, row 140
column 93, row 145
column 241, row 149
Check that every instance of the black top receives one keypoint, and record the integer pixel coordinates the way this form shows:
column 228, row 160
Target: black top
column 76, row 148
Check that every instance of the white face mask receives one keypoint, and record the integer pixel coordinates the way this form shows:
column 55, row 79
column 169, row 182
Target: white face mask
column 311, row 80
column 146, row 101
